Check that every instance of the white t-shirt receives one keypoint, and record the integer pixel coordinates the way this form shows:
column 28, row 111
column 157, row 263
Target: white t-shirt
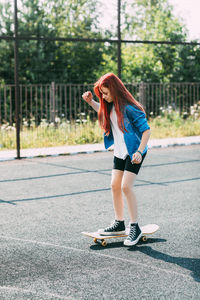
column 120, row 149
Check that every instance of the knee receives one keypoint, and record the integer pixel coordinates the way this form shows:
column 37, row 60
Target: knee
column 115, row 186
column 127, row 189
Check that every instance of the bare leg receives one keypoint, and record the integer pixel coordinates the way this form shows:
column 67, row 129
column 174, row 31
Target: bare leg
column 127, row 187
column 118, row 202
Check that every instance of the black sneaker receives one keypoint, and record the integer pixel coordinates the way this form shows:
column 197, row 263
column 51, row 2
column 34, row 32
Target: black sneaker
column 134, row 235
column 116, row 228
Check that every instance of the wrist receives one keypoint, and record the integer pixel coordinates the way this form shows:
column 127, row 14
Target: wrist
column 139, row 152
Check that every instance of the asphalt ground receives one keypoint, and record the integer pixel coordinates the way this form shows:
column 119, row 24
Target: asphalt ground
column 45, row 204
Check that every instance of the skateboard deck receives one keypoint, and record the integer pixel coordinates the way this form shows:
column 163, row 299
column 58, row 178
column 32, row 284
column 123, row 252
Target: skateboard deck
column 101, row 239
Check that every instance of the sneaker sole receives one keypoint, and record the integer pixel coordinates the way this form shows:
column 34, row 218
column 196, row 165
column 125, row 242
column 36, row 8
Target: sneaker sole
column 112, row 233
column 129, row 243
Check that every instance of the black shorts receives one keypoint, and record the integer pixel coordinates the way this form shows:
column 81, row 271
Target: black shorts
column 126, row 164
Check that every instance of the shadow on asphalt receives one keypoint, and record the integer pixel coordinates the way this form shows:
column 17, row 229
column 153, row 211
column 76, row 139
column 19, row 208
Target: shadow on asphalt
column 120, row 244
column 192, row 264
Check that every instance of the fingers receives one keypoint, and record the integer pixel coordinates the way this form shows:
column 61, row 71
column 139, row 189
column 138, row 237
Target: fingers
column 87, row 96
column 136, row 158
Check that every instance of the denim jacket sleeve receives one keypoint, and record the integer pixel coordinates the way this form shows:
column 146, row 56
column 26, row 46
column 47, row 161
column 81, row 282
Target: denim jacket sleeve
column 137, row 118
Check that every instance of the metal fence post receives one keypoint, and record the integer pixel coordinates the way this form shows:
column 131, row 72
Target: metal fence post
column 142, row 94
column 17, row 117
column 119, row 40
column 52, row 103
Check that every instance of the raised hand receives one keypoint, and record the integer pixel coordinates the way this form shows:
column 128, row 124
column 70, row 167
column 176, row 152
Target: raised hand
column 87, row 96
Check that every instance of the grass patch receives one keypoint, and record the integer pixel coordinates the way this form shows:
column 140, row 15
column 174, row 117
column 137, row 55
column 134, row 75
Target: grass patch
column 51, row 135
column 164, row 128
column 84, row 131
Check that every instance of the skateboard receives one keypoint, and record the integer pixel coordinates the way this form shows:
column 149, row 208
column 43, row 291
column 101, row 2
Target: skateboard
column 101, row 239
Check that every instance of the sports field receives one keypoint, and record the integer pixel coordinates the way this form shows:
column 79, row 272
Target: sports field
column 45, row 204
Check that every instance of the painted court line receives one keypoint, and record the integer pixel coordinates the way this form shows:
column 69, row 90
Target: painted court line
column 97, row 254
column 16, row 289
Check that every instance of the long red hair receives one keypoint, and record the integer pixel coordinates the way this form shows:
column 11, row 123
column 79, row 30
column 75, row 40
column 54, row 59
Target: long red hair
column 121, row 97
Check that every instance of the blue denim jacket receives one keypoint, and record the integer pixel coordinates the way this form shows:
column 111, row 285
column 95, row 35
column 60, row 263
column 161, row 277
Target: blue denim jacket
column 135, row 123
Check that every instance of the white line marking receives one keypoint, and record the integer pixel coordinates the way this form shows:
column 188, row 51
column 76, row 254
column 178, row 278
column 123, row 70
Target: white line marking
column 97, row 254
column 14, row 288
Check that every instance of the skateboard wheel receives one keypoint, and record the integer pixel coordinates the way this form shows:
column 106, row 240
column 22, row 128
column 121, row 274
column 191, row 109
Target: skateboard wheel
column 104, row 244
column 95, row 240
column 144, row 238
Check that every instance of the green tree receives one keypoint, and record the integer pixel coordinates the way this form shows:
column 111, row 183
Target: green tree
column 6, row 46
column 46, row 61
column 78, row 61
column 187, row 66
column 35, row 56
column 152, row 20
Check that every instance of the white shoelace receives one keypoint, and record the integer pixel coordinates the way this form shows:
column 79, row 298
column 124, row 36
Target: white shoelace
column 113, row 225
column 132, row 232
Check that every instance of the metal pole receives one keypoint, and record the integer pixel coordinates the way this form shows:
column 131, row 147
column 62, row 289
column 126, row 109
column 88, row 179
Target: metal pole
column 17, row 117
column 119, row 40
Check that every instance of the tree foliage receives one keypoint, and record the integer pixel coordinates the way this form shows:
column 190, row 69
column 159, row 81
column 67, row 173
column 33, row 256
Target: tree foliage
column 81, row 62
column 153, row 20
column 45, row 61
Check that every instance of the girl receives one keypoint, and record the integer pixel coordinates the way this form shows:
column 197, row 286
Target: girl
column 124, row 123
